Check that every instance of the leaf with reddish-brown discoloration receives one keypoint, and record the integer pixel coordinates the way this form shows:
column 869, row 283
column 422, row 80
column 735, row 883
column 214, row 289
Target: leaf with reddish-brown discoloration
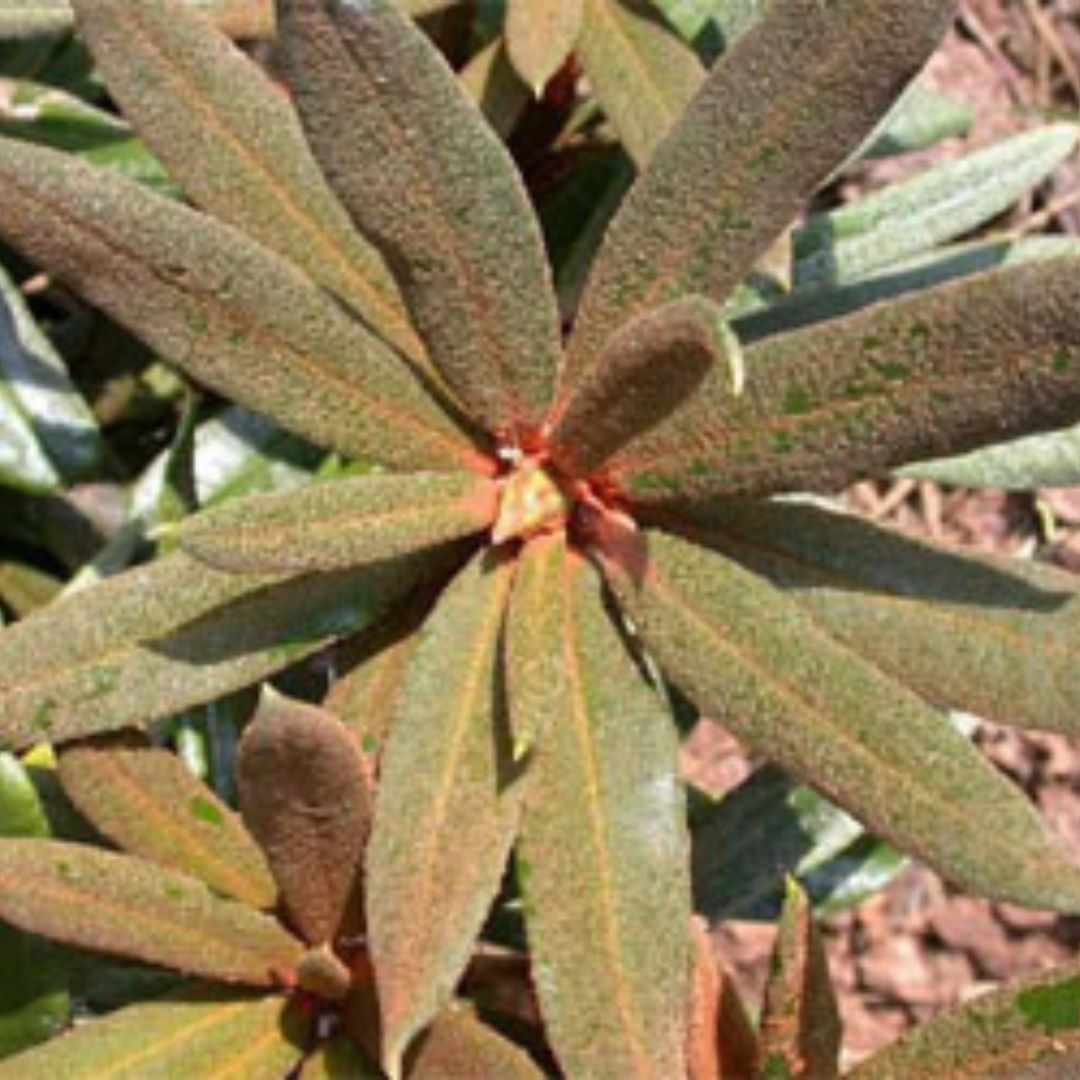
column 795, row 95
column 540, row 35
column 231, row 139
column 118, row 904
column 341, row 523
column 405, row 151
column 800, row 1023
column 460, row 1044
column 148, row 803
column 446, row 809
column 305, row 794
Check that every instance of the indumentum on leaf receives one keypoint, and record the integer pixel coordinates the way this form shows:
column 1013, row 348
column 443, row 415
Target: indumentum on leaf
column 560, row 520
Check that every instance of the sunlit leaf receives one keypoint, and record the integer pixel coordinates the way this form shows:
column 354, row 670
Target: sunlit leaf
column 25, row 588
column 403, row 148
column 460, row 1044
column 540, row 34
column 603, row 859
column 446, row 808
column 794, row 96
column 149, row 804
column 922, row 118
column 98, row 900
column 338, row 524
column 747, row 654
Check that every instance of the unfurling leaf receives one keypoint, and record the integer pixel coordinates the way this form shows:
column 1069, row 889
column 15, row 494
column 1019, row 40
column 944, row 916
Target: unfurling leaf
column 341, row 523
column 305, row 795
column 540, row 34
column 118, row 904
column 603, row 856
column 148, row 803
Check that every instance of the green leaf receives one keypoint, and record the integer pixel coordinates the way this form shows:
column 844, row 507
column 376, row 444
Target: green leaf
column 232, row 140
column 33, row 18
column 934, row 206
column 460, row 1044
column 446, row 809
column 993, row 636
column 922, row 118
column 25, row 588
column 747, row 654
column 118, row 904
column 1028, row 1030
column 932, row 373
column 641, row 72
column 403, row 148
column 540, row 35
column 490, row 80
column 201, row 1031
column 603, row 856
column 800, row 1023
column 149, row 804
column 197, row 291
column 23, row 462
column 173, row 634
column 647, row 370
column 341, row 523
column 793, row 97
column 306, row 796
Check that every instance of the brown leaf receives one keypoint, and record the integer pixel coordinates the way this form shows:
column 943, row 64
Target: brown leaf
column 540, row 35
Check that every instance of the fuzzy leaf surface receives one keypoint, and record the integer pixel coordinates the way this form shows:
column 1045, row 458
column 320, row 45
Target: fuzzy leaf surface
column 459, row 1043
column 147, row 802
column 939, row 372
column 745, row 653
column 338, row 524
column 800, row 1024
column 642, row 73
column 991, row 636
column 34, row 18
column 173, row 634
column 228, row 311
column 540, row 35
column 446, row 808
column 232, row 140
column 433, row 188
column 305, row 795
column 795, row 95
column 643, row 375
column 95, row 899
column 603, row 857
column 201, row 1031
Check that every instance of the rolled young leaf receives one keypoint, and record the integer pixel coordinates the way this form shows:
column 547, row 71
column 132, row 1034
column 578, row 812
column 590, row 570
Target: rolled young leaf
column 305, row 794
column 231, row 313
column 603, row 856
column 795, row 95
column 404, row 149
column 118, row 904
column 540, row 35
column 746, row 654
column 341, row 523
column 446, row 809
column 231, row 139
column 937, row 372
column 643, row 375
column 148, row 803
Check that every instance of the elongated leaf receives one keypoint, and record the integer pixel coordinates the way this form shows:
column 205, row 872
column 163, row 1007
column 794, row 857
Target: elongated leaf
column 1030, row 1030
column 540, row 35
column 460, row 1044
column 938, row 372
column 406, row 153
column 800, row 1024
column 938, row 205
column 923, row 117
column 198, row 291
column 721, row 1043
column 604, row 857
column 490, row 80
column 202, row 1031
column 305, row 795
column 175, row 634
column 112, row 903
column 339, row 1059
column 641, row 72
column 794, row 96
column 343, row 523
column 644, row 374
column 149, row 804
column 32, row 18
column 25, row 588
column 23, row 462
column 446, row 808
column 232, row 140
column 745, row 653
column 991, row 636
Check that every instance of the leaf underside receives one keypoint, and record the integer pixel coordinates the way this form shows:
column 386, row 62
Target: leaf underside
column 540, row 34
column 460, row 1044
